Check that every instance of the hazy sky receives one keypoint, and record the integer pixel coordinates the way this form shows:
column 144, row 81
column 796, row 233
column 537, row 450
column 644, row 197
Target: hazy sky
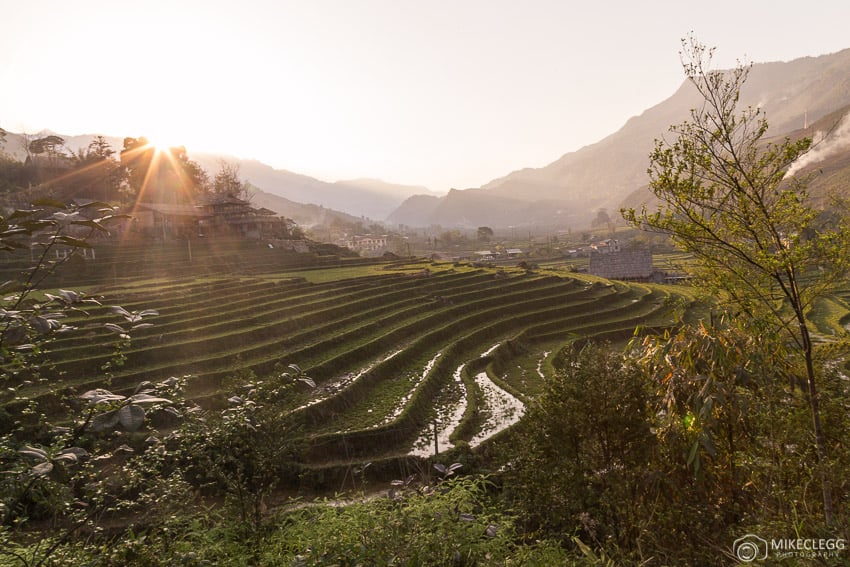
column 438, row 93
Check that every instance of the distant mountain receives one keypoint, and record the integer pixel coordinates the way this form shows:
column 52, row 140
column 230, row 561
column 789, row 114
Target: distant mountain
column 607, row 172
column 478, row 207
column 305, row 215
column 368, row 198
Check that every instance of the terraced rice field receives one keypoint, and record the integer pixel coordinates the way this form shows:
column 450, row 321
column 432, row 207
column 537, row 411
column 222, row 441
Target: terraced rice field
column 399, row 354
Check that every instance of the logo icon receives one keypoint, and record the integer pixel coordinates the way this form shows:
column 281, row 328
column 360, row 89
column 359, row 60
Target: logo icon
column 750, row 548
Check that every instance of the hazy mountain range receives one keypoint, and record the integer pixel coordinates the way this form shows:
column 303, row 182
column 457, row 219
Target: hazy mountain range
column 793, row 95
column 808, row 96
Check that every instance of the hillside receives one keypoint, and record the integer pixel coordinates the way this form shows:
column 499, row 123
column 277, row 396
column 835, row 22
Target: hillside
column 301, row 197
column 368, row 198
column 825, row 168
column 605, row 173
column 305, row 215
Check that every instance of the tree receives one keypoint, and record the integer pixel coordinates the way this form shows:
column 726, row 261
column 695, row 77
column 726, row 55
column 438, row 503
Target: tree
column 602, row 218
column 485, row 233
column 51, row 145
column 136, row 158
column 580, row 459
column 756, row 239
column 161, row 176
column 227, row 182
column 96, row 173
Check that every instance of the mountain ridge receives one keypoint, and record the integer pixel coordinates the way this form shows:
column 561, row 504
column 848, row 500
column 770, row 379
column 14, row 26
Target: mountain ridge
column 603, row 174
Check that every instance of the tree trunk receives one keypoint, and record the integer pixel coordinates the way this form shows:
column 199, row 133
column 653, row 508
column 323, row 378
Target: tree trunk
column 814, row 404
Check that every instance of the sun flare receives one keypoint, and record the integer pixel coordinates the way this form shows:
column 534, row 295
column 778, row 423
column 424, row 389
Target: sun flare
column 160, row 144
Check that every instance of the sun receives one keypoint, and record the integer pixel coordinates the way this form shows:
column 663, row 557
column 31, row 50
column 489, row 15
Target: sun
column 161, row 144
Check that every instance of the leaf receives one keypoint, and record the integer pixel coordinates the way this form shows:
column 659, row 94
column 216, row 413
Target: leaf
column 91, row 224
column 70, row 296
column 148, row 399
column 42, row 469
column 71, row 241
column 115, row 328
column 99, row 205
column 104, row 421
column 467, row 517
column 693, row 456
column 100, row 396
column 132, row 417
column 34, row 452
column 149, row 313
column 48, row 202
column 78, row 452
column 441, row 468
column 24, row 213
column 118, row 310
column 70, row 457
column 41, row 325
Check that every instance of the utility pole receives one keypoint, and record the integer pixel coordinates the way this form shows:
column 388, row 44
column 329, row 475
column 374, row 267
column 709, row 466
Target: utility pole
column 436, row 443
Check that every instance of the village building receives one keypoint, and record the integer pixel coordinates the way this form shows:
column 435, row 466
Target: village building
column 364, row 243
column 484, row 255
column 607, row 246
column 213, row 215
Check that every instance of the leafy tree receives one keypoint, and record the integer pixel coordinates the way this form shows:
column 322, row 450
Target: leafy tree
column 161, row 176
column 243, row 451
column 95, row 172
column 228, row 183
column 485, row 233
column 602, row 218
column 136, row 158
column 754, row 235
column 51, row 145
column 578, row 461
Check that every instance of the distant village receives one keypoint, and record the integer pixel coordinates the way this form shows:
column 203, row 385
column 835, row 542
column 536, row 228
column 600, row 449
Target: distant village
column 607, row 258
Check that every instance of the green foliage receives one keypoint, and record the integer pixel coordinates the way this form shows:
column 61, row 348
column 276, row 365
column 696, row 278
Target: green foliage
column 244, row 450
column 449, row 524
column 728, row 200
column 575, row 465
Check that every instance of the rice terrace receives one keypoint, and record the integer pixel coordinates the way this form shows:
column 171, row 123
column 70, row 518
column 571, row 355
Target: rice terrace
column 397, row 349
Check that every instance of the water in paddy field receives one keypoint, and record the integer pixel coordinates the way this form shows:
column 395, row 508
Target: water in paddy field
column 503, row 409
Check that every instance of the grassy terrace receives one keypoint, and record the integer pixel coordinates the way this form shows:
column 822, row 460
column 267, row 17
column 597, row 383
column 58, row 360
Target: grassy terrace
column 391, row 346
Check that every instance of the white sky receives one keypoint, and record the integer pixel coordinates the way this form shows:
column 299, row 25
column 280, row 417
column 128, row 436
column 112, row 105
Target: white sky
column 441, row 93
